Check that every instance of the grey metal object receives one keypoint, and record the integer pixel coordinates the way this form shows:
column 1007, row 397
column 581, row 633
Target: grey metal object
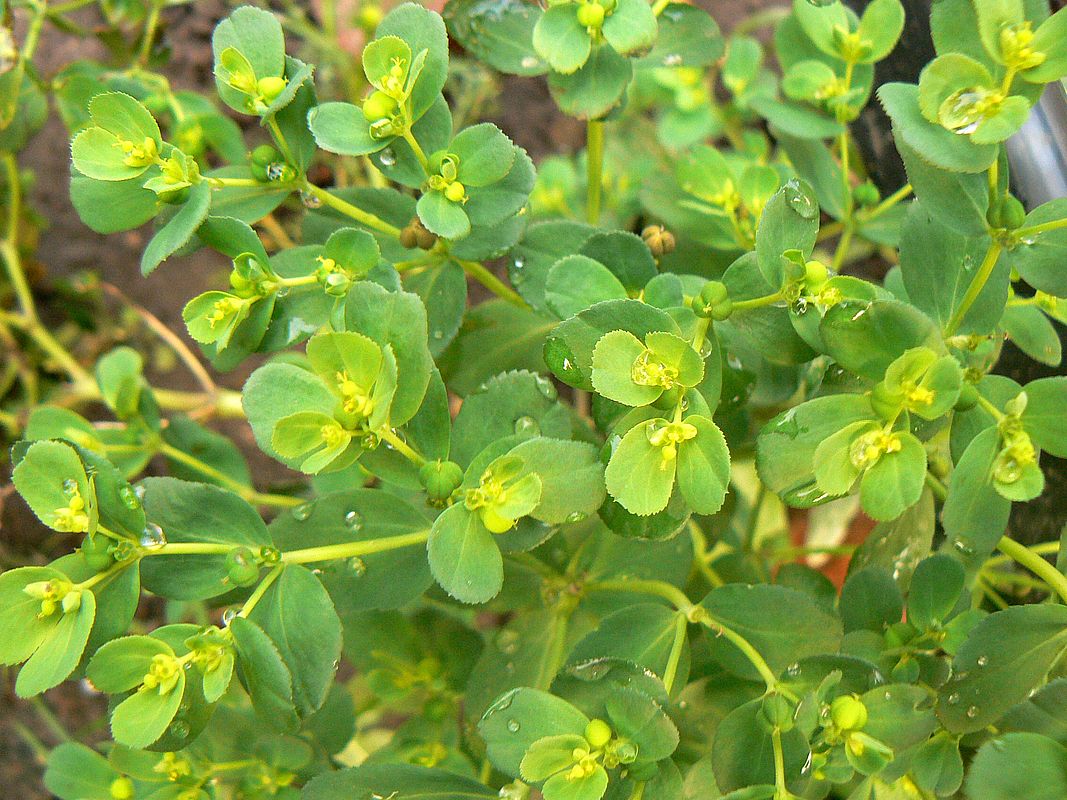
column 1038, row 152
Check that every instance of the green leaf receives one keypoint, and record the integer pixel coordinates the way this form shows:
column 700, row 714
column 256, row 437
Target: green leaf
column 112, row 206
column 256, row 35
column 179, row 229
column 196, row 513
column 121, row 664
column 631, row 27
column 576, row 282
column 975, row 514
column 501, row 36
column 1018, row 765
column 571, row 474
column 1005, row 656
column 935, row 589
column 596, row 88
column 299, row 617
column 1032, row 332
column 1043, row 416
column 641, row 720
column 783, row 625
column 625, row 254
column 1039, row 258
column 880, row 27
column 688, row 37
column 638, row 476
column 341, row 128
column 866, row 337
column 264, row 675
column 561, row 40
column 77, row 772
column 464, row 559
column 396, row 319
column 443, row 217
column 786, row 447
column 519, row 718
column 938, row 265
column 59, row 653
column 41, row 478
column 25, row 631
column 993, row 17
column 955, row 199
column 870, row 600
column 895, row 481
column 550, row 755
column 143, row 717
column 99, row 152
column 790, row 221
column 569, row 348
column 443, row 291
column 614, row 360
column 704, row 467
column 403, row 781
column 937, row 145
column 422, row 29
column 743, row 756
column 1049, row 39
column 485, row 154
column 819, row 22
column 388, row 579
column 641, row 634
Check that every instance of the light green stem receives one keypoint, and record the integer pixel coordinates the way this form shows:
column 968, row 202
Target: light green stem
column 1036, row 564
column 594, row 154
column 249, row 493
column 492, row 282
column 332, row 552
column 675, row 656
column 349, row 210
column 977, row 284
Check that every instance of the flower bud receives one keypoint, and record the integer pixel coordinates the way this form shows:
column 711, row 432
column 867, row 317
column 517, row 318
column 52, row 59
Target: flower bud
column 95, row 552
column 241, row 567
column 264, row 155
column 713, row 301
column 848, row 713
column 591, row 15
column 378, row 106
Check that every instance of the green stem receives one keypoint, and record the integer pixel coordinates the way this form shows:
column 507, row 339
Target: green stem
column 893, row 199
column 757, row 302
column 671, row 671
column 218, row 183
column 781, row 792
column 1036, row 564
column 492, row 282
column 260, row 590
column 279, row 137
column 556, row 646
column 977, row 284
column 331, row 552
column 749, row 652
column 48, row 717
column 937, row 486
column 842, row 245
column 401, row 446
column 416, row 148
column 349, row 210
column 1041, row 549
column 33, row 31
column 1044, row 227
column 155, row 6
column 594, row 154
column 9, row 246
column 41, row 336
column 990, row 409
column 249, row 493
column 667, row 591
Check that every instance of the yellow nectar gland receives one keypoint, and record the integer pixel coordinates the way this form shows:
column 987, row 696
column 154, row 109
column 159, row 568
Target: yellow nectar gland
column 354, row 399
column 585, row 764
column 72, row 518
column 332, row 435
column 222, row 310
column 484, row 499
column 54, row 594
column 1010, row 462
column 867, row 449
column 917, row 396
column 1016, row 45
column 393, row 84
column 162, row 673
column 669, row 436
column 649, row 371
column 142, row 155
column 172, row 765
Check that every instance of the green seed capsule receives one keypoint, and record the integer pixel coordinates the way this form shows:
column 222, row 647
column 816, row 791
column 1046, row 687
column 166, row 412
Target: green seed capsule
column 379, row 106
column 440, row 479
column 591, row 15
column 597, row 733
column 1012, row 213
column 456, row 192
column 848, row 713
column 241, row 567
column 269, row 88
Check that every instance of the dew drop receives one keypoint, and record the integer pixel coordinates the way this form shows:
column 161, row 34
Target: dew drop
column 388, row 157
column 518, row 264
column 982, row 661
column 129, row 498
column 139, row 490
column 507, row 641
column 672, row 60
column 972, row 712
column 963, row 546
column 152, row 536
column 356, row 566
column 800, row 200
column 954, row 698
column 527, row 425
column 793, row 670
column 438, row 335
column 576, row 516
column 229, row 615
column 302, row 512
column 354, row 521
column 180, row 728
column 547, row 388
column 513, row 725
column 309, row 200
column 70, row 486
column 529, row 62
